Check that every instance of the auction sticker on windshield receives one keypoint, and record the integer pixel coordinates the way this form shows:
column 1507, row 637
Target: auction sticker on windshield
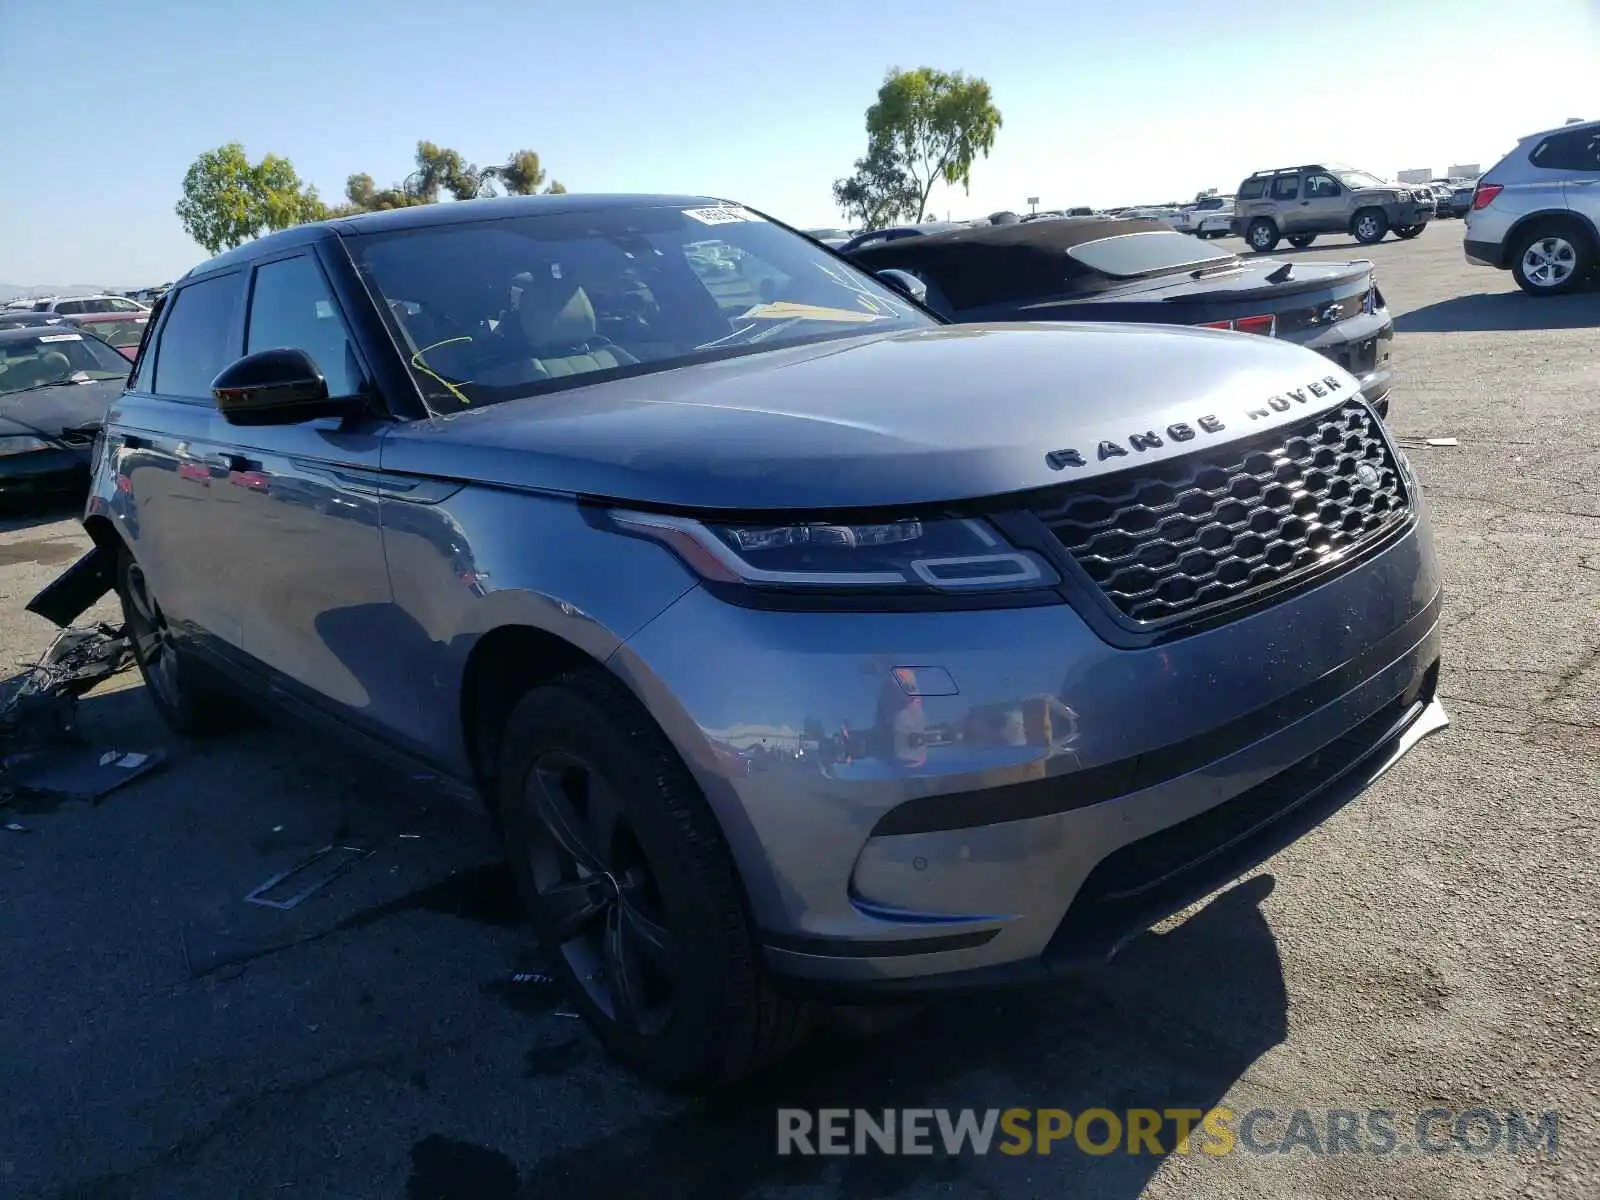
column 726, row 214
column 61, row 337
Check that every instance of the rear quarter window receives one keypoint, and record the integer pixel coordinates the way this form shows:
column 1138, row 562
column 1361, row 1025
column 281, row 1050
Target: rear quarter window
column 1575, row 151
column 1252, row 189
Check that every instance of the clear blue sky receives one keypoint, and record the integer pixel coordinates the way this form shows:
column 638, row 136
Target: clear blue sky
column 1130, row 101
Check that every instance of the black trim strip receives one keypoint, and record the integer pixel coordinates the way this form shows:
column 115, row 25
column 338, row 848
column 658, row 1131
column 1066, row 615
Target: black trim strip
column 844, row 947
column 1094, row 785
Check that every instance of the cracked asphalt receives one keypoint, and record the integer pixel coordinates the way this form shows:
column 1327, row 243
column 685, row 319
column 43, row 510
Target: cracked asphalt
column 1436, row 943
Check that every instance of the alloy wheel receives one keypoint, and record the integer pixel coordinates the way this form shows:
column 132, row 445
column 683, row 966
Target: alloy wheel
column 1549, row 261
column 152, row 639
column 1367, row 227
column 593, row 884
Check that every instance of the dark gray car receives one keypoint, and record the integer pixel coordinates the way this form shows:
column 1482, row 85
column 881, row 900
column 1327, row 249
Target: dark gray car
column 804, row 647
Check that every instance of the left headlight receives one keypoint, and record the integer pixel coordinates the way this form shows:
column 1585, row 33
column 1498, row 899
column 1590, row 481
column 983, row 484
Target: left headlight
column 21, row 445
column 945, row 554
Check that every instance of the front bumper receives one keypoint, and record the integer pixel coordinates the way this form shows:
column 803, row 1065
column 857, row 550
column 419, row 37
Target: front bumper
column 1407, row 215
column 1032, row 808
column 42, row 473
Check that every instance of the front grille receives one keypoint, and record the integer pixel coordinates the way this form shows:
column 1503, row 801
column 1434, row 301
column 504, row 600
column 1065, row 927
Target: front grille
column 1211, row 530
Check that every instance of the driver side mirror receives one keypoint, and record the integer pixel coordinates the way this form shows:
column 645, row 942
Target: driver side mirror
column 277, row 387
column 905, row 283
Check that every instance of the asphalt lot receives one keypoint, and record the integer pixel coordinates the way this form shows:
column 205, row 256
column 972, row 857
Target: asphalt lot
column 1436, row 943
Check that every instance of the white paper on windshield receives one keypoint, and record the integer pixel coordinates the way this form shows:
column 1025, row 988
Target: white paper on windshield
column 62, row 337
column 724, row 214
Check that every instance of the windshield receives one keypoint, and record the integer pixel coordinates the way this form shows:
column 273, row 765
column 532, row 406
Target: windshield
column 52, row 357
column 1156, row 253
column 494, row 310
column 119, row 333
column 1356, row 180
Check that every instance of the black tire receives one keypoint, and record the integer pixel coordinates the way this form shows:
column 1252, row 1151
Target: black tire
column 189, row 708
column 1369, row 226
column 1262, row 235
column 666, row 902
column 1301, row 240
column 1408, row 231
column 1562, row 245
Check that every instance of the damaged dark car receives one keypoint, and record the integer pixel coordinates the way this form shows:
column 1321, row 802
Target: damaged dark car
column 1092, row 269
column 55, row 387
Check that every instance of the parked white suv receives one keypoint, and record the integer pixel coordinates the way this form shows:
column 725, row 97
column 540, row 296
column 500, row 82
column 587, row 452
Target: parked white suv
column 78, row 305
column 1536, row 212
column 1208, row 218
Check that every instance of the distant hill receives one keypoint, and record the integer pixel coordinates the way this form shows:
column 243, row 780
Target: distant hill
column 10, row 291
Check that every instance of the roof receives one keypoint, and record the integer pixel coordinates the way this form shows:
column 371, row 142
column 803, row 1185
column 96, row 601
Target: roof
column 26, row 333
column 422, row 216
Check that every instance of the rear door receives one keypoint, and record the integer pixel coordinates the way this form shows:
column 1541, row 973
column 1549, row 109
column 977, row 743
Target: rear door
column 1285, row 196
column 1578, row 154
column 162, row 434
column 305, row 538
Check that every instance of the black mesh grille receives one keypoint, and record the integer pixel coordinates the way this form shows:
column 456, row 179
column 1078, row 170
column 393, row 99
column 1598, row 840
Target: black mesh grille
column 1212, row 529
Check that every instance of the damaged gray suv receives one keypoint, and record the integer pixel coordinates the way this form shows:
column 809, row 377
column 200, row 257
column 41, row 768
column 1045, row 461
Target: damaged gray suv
column 807, row 650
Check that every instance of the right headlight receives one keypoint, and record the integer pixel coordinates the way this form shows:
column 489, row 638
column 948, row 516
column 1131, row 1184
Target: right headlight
column 944, row 554
column 21, row 445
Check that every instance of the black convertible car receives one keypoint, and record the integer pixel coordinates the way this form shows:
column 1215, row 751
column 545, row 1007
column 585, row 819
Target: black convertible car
column 1094, row 269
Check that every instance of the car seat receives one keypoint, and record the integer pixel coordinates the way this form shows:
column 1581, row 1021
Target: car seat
column 559, row 323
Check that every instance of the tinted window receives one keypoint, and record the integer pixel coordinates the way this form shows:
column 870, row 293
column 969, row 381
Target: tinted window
column 292, row 307
column 1577, row 151
column 1252, row 189
column 198, row 339
column 497, row 309
column 1286, row 187
column 68, row 307
column 116, row 305
column 1321, row 187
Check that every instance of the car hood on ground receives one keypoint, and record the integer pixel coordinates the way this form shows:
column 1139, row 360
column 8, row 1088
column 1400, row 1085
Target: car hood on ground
column 919, row 417
column 53, row 409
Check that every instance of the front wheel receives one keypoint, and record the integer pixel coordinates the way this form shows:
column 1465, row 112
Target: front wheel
column 632, row 891
column 1551, row 260
column 1369, row 226
column 1262, row 235
column 1301, row 240
column 1408, row 231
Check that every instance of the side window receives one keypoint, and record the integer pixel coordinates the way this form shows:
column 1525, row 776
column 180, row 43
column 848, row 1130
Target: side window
column 70, row 306
column 144, row 369
column 1253, row 188
column 116, row 305
column 198, row 338
column 1578, row 151
column 1321, row 187
column 1286, row 187
column 291, row 306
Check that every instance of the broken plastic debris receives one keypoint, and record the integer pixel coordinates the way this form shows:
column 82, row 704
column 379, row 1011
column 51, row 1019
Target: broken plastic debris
column 1443, row 442
column 80, row 772
column 288, row 888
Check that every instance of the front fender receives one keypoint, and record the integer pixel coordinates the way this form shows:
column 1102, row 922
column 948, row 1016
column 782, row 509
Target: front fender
column 485, row 558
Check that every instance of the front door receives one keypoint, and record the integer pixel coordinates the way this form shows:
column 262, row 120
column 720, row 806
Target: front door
column 163, row 434
column 306, row 512
column 1324, row 204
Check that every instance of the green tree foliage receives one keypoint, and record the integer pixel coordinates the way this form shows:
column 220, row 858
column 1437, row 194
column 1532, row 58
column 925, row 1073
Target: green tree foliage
column 879, row 192
column 932, row 125
column 521, row 175
column 228, row 200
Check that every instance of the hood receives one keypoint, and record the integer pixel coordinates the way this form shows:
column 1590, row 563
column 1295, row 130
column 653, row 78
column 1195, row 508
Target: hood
column 920, row 417
column 53, row 409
